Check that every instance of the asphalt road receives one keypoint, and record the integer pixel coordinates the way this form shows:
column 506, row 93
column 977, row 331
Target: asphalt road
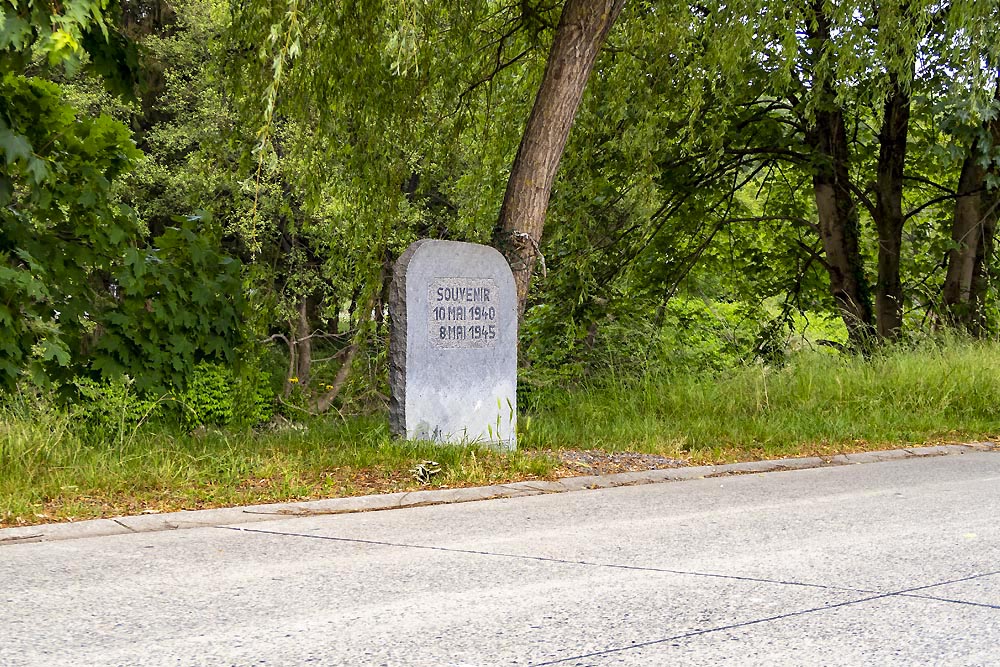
column 894, row 563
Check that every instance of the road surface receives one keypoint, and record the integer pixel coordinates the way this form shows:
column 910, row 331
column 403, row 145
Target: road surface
column 894, row 563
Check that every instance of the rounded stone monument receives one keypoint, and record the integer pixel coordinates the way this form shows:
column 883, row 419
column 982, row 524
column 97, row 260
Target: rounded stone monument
column 453, row 345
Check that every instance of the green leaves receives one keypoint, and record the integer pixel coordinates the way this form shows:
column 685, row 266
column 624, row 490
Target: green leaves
column 61, row 230
column 70, row 34
column 212, row 397
column 178, row 302
column 14, row 146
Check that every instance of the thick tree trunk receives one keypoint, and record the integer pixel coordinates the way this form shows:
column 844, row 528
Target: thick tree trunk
column 837, row 211
column 839, row 232
column 889, row 211
column 839, row 227
column 972, row 232
column 965, row 235
column 582, row 29
column 982, row 273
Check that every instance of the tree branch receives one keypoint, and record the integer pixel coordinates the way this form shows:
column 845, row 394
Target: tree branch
column 862, row 197
column 927, row 181
column 489, row 77
column 931, row 202
column 774, row 218
column 813, row 253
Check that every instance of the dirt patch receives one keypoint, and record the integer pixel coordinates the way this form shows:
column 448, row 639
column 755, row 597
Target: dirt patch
column 575, row 462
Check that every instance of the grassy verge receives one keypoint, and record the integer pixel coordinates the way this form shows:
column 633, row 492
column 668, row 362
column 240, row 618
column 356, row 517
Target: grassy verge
column 49, row 474
column 819, row 404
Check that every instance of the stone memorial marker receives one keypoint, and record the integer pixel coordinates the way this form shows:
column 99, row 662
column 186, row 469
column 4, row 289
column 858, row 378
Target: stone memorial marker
column 453, row 347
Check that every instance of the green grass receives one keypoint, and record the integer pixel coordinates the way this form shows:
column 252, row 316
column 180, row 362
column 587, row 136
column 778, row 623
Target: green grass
column 48, row 472
column 818, row 403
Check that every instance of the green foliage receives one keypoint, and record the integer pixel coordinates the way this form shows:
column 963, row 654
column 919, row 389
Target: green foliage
column 681, row 232
column 700, row 335
column 115, row 411
column 80, row 294
column 688, row 335
column 112, row 411
column 178, row 302
column 67, row 33
column 213, row 397
column 186, row 127
column 940, row 390
column 62, row 230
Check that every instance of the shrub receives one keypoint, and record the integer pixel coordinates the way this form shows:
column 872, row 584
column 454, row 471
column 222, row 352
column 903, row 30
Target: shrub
column 112, row 410
column 214, row 396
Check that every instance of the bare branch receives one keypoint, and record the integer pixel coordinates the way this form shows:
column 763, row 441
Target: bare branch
column 927, row 181
column 323, row 403
column 813, row 253
column 489, row 77
column 862, row 197
column 931, row 202
column 776, row 218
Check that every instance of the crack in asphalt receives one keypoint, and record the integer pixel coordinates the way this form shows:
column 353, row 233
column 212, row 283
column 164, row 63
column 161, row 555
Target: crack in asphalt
column 547, row 559
column 907, row 592
column 126, row 527
column 970, row 603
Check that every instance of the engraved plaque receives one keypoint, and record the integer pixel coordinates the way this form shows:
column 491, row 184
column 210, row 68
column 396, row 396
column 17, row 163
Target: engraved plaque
column 462, row 312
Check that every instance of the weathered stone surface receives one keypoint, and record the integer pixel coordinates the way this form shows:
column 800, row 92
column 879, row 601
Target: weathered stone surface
column 453, row 348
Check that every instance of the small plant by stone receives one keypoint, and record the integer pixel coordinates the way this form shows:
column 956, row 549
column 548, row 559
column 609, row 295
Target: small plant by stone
column 425, row 470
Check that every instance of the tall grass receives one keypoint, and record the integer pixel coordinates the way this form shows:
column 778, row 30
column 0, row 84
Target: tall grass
column 52, row 467
column 50, row 470
column 818, row 402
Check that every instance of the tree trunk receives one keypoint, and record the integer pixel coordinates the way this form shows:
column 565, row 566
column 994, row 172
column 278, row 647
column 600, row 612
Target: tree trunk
column 303, row 343
column 889, row 211
column 582, row 29
column 838, row 222
column 982, row 274
column 965, row 235
column 839, row 227
column 972, row 232
column 325, row 400
column 355, row 295
column 838, row 214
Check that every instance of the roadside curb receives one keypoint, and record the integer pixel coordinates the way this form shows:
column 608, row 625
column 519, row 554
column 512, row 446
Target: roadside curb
column 146, row 523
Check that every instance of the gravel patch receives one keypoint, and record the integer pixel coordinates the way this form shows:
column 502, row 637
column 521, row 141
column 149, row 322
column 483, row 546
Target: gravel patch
column 575, row 462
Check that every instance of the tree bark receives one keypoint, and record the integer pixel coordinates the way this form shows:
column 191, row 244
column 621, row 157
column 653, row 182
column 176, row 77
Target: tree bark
column 982, row 271
column 839, row 224
column 889, row 217
column 973, row 231
column 352, row 307
column 965, row 236
column 582, row 29
column 324, row 401
column 303, row 343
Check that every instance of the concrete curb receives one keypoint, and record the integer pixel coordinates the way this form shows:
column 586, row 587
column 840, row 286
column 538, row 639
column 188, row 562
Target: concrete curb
column 146, row 523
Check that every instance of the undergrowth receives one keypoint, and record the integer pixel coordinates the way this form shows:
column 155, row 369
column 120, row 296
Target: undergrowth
column 49, row 471
column 931, row 392
column 60, row 462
